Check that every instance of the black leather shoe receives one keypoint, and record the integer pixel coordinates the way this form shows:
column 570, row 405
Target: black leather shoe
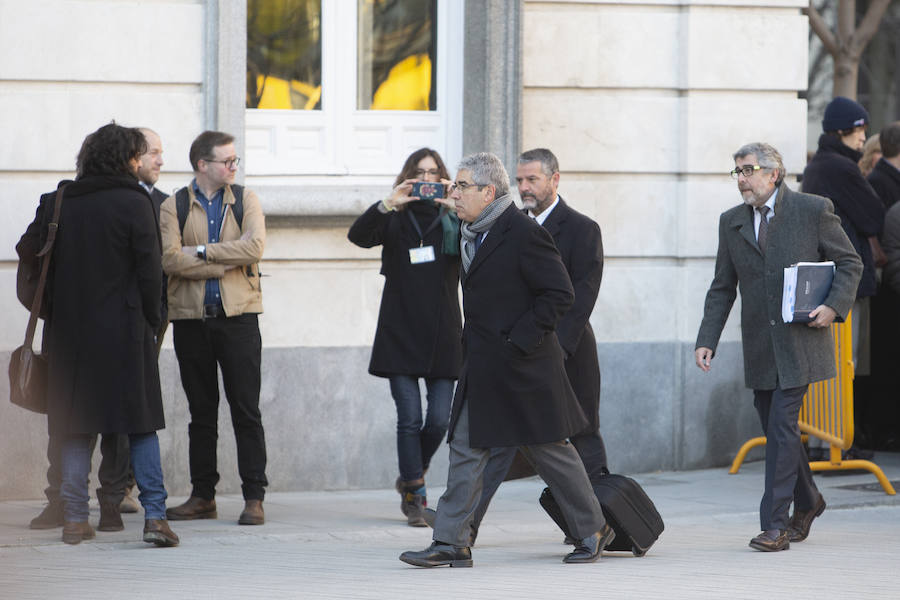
column 437, row 555
column 194, row 508
column 773, row 540
column 802, row 520
column 110, row 519
column 591, row 548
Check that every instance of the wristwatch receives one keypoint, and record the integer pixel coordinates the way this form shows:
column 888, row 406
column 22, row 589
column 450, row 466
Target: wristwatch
column 201, row 251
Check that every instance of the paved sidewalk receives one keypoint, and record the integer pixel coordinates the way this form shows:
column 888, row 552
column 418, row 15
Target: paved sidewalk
column 345, row 545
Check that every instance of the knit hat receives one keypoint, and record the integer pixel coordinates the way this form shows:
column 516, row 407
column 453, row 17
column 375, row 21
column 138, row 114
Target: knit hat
column 843, row 114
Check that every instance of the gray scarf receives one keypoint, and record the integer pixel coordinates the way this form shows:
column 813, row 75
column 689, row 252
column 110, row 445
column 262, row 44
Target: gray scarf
column 481, row 224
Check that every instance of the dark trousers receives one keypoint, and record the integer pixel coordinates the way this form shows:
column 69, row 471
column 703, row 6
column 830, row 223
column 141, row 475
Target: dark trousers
column 788, row 478
column 418, row 440
column 590, row 448
column 112, row 474
column 234, row 344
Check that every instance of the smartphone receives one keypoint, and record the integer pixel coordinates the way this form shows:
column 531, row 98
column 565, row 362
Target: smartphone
column 427, row 191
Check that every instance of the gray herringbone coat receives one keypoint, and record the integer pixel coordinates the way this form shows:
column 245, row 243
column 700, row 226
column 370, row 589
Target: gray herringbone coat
column 804, row 228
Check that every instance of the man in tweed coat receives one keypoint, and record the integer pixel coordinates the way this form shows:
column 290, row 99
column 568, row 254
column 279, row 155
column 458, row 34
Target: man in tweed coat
column 773, row 229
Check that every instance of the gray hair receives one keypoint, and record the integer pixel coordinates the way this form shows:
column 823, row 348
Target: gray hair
column 487, row 169
column 767, row 156
column 549, row 164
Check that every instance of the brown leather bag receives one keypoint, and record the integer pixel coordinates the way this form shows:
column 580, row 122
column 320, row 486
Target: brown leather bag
column 28, row 369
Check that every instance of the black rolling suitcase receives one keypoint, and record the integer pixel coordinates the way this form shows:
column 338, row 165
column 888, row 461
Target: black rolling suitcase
column 626, row 507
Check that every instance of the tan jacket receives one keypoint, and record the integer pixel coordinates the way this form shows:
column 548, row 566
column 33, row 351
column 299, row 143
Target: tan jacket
column 240, row 287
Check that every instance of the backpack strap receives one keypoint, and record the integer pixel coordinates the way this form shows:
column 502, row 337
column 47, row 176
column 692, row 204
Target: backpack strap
column 182, row 206
column 238, row 207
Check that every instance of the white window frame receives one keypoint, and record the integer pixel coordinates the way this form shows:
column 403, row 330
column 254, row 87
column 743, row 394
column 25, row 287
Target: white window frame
column 341, row 140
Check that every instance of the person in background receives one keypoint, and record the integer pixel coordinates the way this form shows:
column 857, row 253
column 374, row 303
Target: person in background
column 871, row 152
column 834, row 173
column 885, row 175
column 102, row 369
column 211, row 254
column 419, row 322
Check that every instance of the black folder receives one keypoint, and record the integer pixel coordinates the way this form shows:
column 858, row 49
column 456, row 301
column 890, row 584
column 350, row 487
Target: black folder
column 806, row 285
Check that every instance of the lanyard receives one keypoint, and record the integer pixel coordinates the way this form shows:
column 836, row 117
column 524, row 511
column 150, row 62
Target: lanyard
column 415, row 223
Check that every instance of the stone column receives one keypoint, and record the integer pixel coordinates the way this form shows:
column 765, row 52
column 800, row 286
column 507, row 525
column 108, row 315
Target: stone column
column 492, row 96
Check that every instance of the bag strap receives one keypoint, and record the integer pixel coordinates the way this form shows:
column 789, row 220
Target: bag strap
column 183, row 201
column 45, row 255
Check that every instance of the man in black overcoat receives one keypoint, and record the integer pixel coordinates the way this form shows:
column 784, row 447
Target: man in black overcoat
column 578, row 239
column 513, row 389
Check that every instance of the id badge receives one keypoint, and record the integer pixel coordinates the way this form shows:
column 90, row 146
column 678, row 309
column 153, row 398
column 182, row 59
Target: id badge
column 424, row 254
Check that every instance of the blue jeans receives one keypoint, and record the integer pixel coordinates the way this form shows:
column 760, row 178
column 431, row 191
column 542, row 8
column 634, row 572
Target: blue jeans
column 417, row 443
column 76, row 469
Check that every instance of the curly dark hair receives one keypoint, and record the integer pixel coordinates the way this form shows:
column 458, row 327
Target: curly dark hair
column 409, row 167
column 109, row 151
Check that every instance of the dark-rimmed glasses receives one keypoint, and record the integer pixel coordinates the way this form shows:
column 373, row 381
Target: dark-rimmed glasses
column 746, row 170
column 230, row 163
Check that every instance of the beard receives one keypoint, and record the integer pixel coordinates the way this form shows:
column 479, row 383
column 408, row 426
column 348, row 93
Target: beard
column 529, row 202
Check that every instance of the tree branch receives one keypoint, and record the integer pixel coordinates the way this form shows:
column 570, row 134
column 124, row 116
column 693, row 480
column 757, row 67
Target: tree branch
column 820, row 27
column 868, row 26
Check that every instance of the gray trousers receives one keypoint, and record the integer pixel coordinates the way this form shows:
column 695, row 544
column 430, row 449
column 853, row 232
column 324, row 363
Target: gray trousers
column 557, row 463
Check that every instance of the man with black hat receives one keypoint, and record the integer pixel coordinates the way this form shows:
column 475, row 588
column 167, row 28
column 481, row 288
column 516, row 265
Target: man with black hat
column 834, row 173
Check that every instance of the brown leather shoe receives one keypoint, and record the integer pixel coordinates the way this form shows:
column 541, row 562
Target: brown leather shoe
column 194, row 508
column 772, row 540
column 802, row 520
column 252, row 514
column 128, row 504
column 110, row 519
column 76, row 531
column 50, row 518
column 157, row 531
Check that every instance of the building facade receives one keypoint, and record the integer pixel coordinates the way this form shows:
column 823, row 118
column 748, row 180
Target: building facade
column 643, row 103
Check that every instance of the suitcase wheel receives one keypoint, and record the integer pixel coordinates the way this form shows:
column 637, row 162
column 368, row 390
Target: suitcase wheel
column 637, row 551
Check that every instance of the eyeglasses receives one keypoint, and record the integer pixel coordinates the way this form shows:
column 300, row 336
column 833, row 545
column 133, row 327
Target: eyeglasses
column 230, row 163
column 462, row 186
column 423, row 172
column 746, row 170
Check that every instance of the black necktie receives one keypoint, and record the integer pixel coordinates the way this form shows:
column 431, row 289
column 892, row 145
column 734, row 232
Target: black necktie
column 763, row 228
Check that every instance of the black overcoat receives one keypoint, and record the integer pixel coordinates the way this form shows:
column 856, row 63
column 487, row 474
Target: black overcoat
column 580, row 246
column 419, row 323
column 513, row 377
column 885, row 180
column 107, row 276
column 834, row 173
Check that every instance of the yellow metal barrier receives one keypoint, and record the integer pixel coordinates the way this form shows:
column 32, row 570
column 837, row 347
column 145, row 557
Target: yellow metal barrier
column 827, row 414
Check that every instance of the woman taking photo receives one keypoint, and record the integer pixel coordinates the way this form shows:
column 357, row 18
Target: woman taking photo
column 419, row 322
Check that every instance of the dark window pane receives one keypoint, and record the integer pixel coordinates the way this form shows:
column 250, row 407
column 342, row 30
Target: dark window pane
column 284, row 54
column 397, row 55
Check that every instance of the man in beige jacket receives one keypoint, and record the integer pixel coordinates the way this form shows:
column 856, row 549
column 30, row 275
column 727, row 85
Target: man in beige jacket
column 213, row 233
